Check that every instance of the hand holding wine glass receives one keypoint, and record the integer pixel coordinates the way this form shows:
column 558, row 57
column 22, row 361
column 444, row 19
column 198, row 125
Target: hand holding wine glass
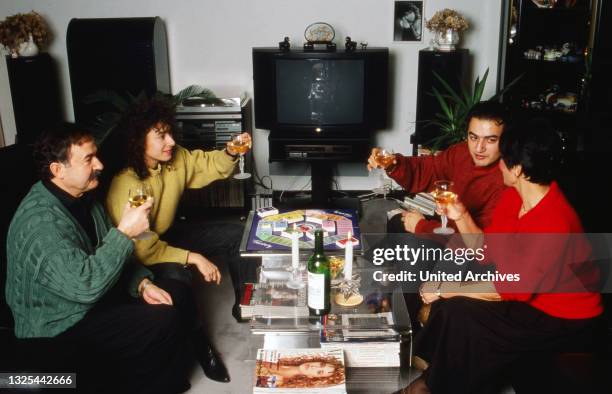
column 443, row 194
column 239, row 145
column 134, row 221
column 138, row 195
column 383, row 159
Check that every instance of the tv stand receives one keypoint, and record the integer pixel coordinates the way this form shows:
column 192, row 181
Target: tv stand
column 321, row 185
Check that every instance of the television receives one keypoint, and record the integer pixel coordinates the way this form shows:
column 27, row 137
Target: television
column 320, row 105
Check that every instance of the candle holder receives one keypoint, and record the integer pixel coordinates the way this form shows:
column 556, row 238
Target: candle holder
column 348, row 291
column 296, row 281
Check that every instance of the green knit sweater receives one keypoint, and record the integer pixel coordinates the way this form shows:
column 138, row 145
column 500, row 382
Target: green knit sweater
column 54, row 273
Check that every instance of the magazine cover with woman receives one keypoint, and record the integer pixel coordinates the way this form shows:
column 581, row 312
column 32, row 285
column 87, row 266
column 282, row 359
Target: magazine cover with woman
column 300, row 371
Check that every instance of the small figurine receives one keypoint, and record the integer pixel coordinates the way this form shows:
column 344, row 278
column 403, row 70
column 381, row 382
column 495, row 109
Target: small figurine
column 364, row 46
column 350, row 45
column 284, row 45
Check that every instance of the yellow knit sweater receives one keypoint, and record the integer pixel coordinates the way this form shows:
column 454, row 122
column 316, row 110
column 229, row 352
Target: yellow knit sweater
column 188, row 169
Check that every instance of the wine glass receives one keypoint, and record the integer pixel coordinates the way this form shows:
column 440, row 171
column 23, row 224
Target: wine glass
column 444, row 194
column 384, row 157
column 138, row 195
column 242, row 146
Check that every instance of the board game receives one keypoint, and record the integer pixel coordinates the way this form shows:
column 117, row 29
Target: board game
column 274, row 232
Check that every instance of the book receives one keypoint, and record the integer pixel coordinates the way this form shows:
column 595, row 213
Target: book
column 273, row 300
column 300, row 371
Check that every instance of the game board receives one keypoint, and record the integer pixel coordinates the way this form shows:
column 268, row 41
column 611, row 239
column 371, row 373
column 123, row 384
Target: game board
column 274, row 232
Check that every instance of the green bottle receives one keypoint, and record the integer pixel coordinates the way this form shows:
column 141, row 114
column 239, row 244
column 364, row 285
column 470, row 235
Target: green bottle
column 319, row 279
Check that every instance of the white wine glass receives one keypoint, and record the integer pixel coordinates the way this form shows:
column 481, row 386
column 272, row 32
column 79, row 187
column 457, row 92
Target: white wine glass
column 384, row 157
column 138, row 195
column 241, row 145
column 443, row 194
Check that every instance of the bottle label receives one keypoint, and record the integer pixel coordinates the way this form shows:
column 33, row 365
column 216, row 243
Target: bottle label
column 316, row 291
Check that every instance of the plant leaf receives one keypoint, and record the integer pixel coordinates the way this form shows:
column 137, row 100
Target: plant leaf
column 446, row 86
column 192, row 91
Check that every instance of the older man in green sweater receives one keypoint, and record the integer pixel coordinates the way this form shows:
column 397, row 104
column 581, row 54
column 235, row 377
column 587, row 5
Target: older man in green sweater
column 70, row 274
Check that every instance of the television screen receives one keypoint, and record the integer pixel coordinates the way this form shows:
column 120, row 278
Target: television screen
column 320, row 94
column 319, row 91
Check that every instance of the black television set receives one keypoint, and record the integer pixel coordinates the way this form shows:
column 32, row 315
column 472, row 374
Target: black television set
column 320, row 105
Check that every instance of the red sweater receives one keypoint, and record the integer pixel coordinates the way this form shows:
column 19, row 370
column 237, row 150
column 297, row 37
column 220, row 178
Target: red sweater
column 546, row 247
column 479, row 188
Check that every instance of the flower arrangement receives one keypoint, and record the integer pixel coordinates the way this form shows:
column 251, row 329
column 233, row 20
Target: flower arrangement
column 447, row 19
column 16, row 29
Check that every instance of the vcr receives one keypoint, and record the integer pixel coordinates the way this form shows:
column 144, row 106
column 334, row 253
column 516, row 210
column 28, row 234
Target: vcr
column 308, row 149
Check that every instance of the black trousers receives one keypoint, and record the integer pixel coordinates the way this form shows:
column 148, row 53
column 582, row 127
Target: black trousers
column 217, row 241
column 127, row 346
column 470, row 343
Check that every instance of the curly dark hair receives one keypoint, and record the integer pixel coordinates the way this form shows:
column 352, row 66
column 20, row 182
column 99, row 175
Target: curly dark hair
column 133, row 127
column 53, row 146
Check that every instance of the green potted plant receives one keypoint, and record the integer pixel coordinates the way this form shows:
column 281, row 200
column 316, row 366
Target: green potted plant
column 24, row 34
column 455, row 107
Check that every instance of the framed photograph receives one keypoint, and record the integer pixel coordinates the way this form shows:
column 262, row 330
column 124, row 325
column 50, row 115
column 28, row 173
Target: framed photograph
column 408, row 21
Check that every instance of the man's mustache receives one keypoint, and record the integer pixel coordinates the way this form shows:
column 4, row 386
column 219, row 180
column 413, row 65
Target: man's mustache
column 95, row 175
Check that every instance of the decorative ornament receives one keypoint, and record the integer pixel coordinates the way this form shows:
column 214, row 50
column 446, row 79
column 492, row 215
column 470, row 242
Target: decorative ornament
column 348, row 291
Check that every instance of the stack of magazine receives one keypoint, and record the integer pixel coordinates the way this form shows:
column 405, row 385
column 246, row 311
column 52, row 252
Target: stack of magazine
column 422, row 202
column 273, row 300
column 298, row 371
column 367, row 339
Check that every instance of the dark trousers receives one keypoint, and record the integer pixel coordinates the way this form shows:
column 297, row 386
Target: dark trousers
column 217, row 241
column 470, row 343
column 128, row 346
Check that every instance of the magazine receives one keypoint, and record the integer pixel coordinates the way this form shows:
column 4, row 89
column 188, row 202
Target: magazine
column 300, row 371
column 273, row 300
column 370, row 343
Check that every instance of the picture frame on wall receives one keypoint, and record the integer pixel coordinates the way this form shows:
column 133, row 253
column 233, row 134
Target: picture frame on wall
column 408, row 21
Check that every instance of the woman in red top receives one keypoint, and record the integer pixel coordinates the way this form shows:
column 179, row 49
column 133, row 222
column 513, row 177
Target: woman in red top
column 476, row 330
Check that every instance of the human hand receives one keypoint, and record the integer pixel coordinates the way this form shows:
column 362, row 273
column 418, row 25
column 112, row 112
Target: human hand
column 410, row 220
column 430, row 292
column 209, row 271
column 404, row 22
column 245, row 138
column 153, row 294
column 372, row 163
column 453, row 210
column 135, row 220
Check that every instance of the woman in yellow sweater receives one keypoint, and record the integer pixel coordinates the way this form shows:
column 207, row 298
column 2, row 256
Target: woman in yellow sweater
column 151, row 156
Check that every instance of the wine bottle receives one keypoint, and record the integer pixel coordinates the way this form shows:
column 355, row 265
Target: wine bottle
column 319, row 280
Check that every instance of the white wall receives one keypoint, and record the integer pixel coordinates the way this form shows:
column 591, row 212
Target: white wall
column 210, row 44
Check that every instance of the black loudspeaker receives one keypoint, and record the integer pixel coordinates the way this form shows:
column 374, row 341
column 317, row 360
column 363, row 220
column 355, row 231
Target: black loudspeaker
column 452, row 67
column 35, row 95
column 124, row 55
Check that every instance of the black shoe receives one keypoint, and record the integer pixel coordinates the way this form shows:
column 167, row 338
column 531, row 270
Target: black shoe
column 237, row 315
column 211, row 363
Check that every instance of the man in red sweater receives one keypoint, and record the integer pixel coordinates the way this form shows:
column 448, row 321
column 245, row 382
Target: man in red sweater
column 471, row 166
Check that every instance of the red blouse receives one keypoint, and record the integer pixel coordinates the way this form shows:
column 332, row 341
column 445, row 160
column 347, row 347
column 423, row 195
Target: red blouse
column 547, row 248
